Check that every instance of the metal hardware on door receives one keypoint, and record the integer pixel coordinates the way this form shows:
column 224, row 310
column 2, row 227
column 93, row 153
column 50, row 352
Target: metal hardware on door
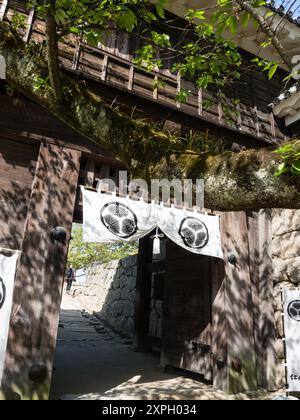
column 220, row 364
column 59, row 234
column 38, row 373
column 232, row 259
column 237, row 366
column 200, row 347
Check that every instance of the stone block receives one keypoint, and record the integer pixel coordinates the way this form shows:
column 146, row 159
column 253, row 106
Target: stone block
column 128, row 309
column 277, row 293
column 280, row 375
column 116, row 282
column 279, row 324
column 285, row 221
column 286, row 246
column 279, row 347
column 129, row 262
column 287, row 270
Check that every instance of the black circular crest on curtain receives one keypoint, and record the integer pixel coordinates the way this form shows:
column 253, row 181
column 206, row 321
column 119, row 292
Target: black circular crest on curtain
column 119, row 219
column 194, row 233
column 2, row 292
column 294, row 310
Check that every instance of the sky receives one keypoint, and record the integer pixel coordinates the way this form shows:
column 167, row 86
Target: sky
column 294, row 4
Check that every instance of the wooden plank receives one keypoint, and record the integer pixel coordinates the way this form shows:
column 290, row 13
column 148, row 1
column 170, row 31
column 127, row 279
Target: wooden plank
column 17, row 167
column 77, row 52
column 241, row 358
column 273, row 125
column 29, row 24
column 90, row 173
column 104, row 175
column 3, row 9
column 219, row 324
column 267, row 322
column 131, row 78
column 178, row 89
column 39, row 277
column 104, row 68
column 200, row 102
column 254, row 261
column 155, row 87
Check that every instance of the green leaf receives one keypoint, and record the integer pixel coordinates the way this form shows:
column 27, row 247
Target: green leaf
column 288, row 148
column 296, row 167
column 60, row 16
column 269, row 14
column 150, row 16
column 232, row 24
column 127, row 20
column 197, row 14
column 75, row 31
column 282, row 169
column 273, row 70
column 160, row 10
column 245, row 19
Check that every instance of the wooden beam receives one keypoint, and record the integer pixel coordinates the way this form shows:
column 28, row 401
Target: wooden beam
column 39, row 277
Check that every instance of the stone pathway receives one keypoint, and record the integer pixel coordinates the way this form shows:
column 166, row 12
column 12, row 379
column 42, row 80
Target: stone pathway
column 90, row 358
column 93, row 363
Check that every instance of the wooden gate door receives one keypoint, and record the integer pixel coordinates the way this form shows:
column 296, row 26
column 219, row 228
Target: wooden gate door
column 186, row 342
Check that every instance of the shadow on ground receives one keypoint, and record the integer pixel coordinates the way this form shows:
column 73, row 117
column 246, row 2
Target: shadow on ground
column 87, row 361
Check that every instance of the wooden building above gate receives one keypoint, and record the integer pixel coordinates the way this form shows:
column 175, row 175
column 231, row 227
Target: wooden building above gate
column 110, row 69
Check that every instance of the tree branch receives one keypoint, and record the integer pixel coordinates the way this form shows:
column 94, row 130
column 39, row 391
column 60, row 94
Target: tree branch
column 245, row 5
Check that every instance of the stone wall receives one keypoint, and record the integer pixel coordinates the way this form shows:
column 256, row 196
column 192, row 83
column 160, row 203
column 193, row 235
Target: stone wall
column 286, row 262
column 110, row 293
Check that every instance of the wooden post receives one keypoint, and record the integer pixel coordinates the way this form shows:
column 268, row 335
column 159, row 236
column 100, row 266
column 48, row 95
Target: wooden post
column 39, row 277
column 254, row 261
column 241, row 357
column 266, row 291
column 219, row 324
column 90, row 173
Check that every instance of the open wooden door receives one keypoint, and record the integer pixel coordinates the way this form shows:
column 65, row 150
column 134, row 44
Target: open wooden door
column 186, row 342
